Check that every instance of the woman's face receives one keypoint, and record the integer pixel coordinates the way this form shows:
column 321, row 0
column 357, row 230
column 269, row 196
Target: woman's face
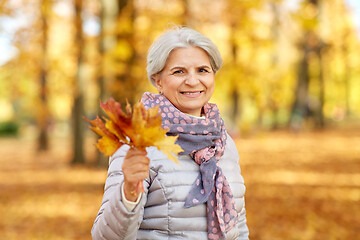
column 187, row 79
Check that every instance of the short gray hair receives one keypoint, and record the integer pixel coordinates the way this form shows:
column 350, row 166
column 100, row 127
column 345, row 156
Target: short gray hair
column 179, row 37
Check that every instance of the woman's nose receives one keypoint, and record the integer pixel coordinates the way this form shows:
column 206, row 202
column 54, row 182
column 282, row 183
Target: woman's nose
column 191, row 79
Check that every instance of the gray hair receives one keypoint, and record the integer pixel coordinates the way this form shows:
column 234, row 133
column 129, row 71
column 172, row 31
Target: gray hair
column 177, row 38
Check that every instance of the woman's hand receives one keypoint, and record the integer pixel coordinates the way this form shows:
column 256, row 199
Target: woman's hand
column 135, row 168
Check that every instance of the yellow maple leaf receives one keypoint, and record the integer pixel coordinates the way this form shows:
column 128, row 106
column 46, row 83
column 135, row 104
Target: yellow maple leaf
column 167, row 146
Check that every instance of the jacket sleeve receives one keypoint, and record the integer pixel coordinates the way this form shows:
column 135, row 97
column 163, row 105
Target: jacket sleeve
column 114, row 221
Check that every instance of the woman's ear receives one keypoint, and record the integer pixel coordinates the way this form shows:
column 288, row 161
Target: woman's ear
column 158, row 82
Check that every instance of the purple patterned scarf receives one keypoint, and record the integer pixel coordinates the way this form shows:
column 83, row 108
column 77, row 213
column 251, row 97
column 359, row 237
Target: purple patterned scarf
column 204, row 139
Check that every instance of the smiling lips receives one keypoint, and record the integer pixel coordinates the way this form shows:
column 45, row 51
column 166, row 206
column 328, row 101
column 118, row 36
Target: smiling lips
column 191, row 93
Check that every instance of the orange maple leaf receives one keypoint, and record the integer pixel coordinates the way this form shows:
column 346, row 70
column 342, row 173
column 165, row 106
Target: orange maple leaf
column 137, row 127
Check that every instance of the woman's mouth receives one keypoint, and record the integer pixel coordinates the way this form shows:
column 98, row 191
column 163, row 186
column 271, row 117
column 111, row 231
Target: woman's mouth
column 191, row 92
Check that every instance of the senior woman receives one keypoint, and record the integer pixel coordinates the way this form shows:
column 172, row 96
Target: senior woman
column 203, row 196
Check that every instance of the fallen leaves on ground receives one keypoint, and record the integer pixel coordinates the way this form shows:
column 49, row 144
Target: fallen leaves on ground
column 301, row 186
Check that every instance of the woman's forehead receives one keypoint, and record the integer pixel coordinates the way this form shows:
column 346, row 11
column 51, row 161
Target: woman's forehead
column 188, row 56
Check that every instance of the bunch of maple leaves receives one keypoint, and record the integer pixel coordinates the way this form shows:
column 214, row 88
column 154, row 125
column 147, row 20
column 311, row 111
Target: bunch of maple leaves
column 138, row 127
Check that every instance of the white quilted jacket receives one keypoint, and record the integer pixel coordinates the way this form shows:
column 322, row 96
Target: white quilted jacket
column 160, row 213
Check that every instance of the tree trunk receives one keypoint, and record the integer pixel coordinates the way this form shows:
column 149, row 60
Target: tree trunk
column 105, row 19
column 78, row 131
column 300, row 106
column 125, row 37
column 78, row 107
column 273, row 105
column 347, row 74
column 235, row 94
column 320, row 48
column 43, row 113
column 320, row 112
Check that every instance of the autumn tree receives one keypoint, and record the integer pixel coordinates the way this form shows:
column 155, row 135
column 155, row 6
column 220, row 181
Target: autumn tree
column 124, row 85
column 116, row 54
column 78, row 105
column 239, row 71
column 310, row 45
column 107, row 41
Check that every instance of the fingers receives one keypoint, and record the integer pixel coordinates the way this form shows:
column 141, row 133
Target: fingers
column 136, row 160
column 137, row 155
column 135, row 167
column 134, row 151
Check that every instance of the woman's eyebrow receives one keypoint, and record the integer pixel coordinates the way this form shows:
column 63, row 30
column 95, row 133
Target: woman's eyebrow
column 204, row 66
column 182, row 67
column 176, row 67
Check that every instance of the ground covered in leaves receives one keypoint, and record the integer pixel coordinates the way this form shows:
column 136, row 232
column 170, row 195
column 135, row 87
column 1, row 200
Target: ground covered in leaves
column 299, row 186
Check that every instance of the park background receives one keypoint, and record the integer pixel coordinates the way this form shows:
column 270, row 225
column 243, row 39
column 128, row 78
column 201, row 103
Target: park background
column 289, row 92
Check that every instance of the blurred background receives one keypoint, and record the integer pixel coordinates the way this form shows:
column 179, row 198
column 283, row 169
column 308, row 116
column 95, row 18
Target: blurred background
column 289, row 92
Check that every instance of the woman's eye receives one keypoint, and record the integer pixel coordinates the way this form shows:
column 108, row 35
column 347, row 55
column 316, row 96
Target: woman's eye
column 178, row 72
column 203, row 70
